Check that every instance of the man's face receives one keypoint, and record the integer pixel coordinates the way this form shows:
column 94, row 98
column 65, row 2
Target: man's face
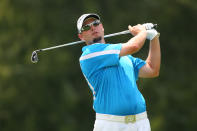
column 94, row 32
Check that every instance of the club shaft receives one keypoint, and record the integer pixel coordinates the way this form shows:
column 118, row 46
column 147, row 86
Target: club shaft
column 67, row 44
column 78, row 42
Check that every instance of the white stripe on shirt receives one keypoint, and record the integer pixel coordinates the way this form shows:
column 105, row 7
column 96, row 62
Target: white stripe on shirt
column 94, row 93
column 95, row 54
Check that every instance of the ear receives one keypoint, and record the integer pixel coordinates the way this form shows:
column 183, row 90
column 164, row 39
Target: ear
column 80, row 36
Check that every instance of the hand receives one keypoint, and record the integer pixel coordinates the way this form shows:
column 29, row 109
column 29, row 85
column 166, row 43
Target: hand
column 151, row 33
column 136, row 29
column 148, row 26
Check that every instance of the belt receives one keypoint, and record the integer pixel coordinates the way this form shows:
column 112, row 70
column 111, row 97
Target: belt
column 125, row 119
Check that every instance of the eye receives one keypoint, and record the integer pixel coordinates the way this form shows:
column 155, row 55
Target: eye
column 86, row 27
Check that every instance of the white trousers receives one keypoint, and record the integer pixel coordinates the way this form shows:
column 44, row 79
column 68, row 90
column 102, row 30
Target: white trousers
column 108, row 125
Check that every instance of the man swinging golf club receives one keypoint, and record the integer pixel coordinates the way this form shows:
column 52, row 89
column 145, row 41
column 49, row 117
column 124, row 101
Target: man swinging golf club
column 111, row 73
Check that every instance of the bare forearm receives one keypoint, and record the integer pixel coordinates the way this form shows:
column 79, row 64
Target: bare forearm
column 138, row 40
column 154, row 56
column 134, row 44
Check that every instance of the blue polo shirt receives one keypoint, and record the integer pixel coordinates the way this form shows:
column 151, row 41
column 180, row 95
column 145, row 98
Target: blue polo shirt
column 112, row 79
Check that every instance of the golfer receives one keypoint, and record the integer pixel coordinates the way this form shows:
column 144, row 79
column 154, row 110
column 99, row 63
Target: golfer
column 111, row 73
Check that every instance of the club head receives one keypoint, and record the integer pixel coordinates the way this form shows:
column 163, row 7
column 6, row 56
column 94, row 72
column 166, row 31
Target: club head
column 34, row 57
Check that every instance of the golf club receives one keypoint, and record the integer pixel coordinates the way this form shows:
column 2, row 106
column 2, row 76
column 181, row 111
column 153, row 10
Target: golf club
column 34, row 56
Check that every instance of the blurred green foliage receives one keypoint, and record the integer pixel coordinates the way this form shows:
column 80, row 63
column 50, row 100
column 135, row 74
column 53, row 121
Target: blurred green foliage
column 52, row 95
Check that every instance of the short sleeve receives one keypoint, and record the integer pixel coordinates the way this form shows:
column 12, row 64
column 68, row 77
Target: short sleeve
column 137, row 64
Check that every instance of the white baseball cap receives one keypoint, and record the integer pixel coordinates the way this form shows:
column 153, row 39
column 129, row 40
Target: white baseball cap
column 83, row 18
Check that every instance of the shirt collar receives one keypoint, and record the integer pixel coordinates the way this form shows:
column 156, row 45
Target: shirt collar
column 88, row 46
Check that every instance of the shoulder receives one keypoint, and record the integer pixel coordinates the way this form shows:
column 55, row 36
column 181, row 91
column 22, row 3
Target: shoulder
column 93, row 47
column 90, row 50
column 101, row 51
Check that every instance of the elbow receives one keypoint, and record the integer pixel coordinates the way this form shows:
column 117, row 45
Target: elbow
column 134, row 48
column 155, row 73
column 154, row 69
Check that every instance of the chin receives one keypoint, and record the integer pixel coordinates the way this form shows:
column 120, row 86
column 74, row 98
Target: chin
column 97, row 40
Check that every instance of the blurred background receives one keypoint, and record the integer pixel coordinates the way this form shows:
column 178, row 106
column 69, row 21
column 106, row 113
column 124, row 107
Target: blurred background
column 53, row 95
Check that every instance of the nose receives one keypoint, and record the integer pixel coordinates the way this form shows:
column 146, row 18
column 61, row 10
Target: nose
column 92, row 27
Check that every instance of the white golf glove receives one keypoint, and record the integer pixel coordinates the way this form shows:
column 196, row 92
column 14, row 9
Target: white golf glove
column 151, row 32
